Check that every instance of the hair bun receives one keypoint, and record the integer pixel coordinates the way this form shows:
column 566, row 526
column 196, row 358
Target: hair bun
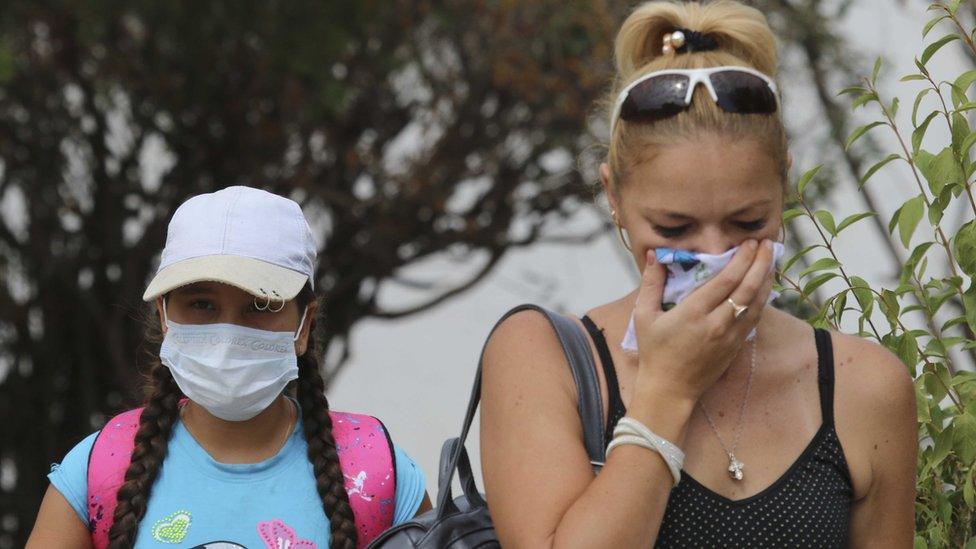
column 687, row 41
column 725, row 25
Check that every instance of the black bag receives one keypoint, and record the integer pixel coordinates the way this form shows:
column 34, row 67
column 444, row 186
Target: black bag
column 464, row 522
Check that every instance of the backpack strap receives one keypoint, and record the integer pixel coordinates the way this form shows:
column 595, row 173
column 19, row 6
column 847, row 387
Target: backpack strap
column 366, row 458
column 368, row 464
column 107, row 464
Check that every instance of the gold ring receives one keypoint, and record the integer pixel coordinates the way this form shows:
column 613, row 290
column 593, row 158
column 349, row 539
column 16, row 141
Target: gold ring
column 737, row 310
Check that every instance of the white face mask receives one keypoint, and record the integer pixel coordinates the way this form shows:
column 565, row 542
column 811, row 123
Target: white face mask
column 686, row 272
column 233, row 371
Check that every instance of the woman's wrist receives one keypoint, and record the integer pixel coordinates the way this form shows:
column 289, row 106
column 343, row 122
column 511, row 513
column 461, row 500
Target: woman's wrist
column 666, row 412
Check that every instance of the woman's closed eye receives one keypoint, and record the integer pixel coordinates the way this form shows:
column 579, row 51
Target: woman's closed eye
column 671, row 232
column 680, row 230
column 751, row 225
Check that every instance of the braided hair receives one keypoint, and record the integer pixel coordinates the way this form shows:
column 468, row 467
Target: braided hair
column 317, row 423
column 162, row 411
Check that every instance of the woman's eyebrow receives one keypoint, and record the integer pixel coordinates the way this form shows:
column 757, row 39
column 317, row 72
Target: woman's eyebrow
column 751, row 206
column 671, row 214
column 679, row 216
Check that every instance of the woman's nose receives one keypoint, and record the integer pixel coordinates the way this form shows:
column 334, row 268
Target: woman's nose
column 714, row 241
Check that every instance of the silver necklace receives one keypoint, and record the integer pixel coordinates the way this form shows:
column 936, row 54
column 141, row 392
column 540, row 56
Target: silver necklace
column 735, row 466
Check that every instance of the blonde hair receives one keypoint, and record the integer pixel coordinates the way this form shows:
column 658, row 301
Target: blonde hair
column 744, row 39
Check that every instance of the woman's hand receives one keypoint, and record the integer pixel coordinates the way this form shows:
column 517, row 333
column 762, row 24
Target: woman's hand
column 683, row 352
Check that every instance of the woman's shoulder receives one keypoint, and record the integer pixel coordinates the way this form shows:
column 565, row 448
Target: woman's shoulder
column 870, row 375
column 525, row 336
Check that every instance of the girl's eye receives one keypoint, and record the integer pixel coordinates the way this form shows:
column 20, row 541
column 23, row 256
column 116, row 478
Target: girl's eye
column 751, row 225
column 671, row 232
column 201, row 304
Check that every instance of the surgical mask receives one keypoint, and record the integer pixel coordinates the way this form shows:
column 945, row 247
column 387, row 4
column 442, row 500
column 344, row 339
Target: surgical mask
column 233, row 371
column 686, row 271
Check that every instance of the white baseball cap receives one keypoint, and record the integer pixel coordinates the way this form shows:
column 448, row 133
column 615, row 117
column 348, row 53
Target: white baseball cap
column 249, row 238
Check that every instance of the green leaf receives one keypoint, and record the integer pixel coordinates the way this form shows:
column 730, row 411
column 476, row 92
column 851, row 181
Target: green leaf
column 969, row 305
column 826, row 220
column 821, row 264
column 910, row 77
column 964, row 436
column 893, row 109
column 964, row 246
column 817, row 282
column 943, row 447
column 791, row 214
column 919, row 132
column 864, row 99
column 908, row 351
column 965, row 80
column 876, row 71
column 862, row 291
column 796, row 257
column 958, row 95
column 877, row 166
column 921, row 402
column 969, row 496
column 936, row 46
column 960, row 131
column 939, row 170
column 852, row 90
column 806, row 178
column 859, row 132
column 911, row 214
column 918, row 101
column 967, row 144
column 932, row 23
column 851, row 219
column 894, row 219
column 922, row 69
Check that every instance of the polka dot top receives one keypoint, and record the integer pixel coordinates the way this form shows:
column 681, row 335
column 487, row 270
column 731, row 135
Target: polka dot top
column 808, row 506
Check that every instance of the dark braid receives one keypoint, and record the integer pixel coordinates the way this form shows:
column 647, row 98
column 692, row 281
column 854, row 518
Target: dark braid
column 329, row 481
column 155, row 427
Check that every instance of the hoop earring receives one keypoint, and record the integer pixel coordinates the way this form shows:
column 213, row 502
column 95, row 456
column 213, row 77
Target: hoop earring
column 620, row 229
column 280, row 307
column 266, row 303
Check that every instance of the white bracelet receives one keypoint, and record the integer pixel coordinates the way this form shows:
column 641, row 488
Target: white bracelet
column 631, row 431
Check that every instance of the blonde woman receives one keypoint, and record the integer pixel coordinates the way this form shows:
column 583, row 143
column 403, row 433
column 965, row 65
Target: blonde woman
column 729, row 423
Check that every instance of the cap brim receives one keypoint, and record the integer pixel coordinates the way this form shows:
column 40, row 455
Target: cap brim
column 256, row 277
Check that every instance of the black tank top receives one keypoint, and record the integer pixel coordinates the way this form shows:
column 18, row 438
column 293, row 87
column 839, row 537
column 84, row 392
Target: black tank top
column 808, row 506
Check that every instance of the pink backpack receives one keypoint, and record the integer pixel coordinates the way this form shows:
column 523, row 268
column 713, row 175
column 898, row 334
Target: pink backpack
column 365, row 456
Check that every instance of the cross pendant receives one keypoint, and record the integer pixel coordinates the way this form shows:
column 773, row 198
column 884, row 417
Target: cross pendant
column 735, row 467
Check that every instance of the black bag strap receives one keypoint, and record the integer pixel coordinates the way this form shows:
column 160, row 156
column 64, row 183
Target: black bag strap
column 576, row 346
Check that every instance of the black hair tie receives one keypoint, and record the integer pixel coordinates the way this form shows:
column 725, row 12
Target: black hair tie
column 683, row 40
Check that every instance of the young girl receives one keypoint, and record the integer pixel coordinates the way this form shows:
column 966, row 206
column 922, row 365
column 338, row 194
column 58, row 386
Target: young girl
column 729, row 423
column 223, row 455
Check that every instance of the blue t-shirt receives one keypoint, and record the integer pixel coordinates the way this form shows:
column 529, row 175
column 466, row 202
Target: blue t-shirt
column 201, row 503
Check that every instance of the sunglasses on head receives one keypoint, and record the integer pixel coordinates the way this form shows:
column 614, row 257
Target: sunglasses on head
column 662, row 94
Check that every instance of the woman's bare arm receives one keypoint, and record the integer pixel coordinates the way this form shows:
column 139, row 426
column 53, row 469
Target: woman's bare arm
column 885, row 419
column 58, row 525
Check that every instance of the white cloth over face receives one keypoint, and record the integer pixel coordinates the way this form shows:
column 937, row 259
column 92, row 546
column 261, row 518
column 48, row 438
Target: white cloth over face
column 686, row 271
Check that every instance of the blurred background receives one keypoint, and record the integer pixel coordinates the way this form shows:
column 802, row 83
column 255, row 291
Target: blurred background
column 445, row 154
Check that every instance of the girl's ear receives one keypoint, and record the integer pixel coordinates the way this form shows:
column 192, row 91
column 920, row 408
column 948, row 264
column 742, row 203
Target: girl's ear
column 160, row 307
column 301, row 344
